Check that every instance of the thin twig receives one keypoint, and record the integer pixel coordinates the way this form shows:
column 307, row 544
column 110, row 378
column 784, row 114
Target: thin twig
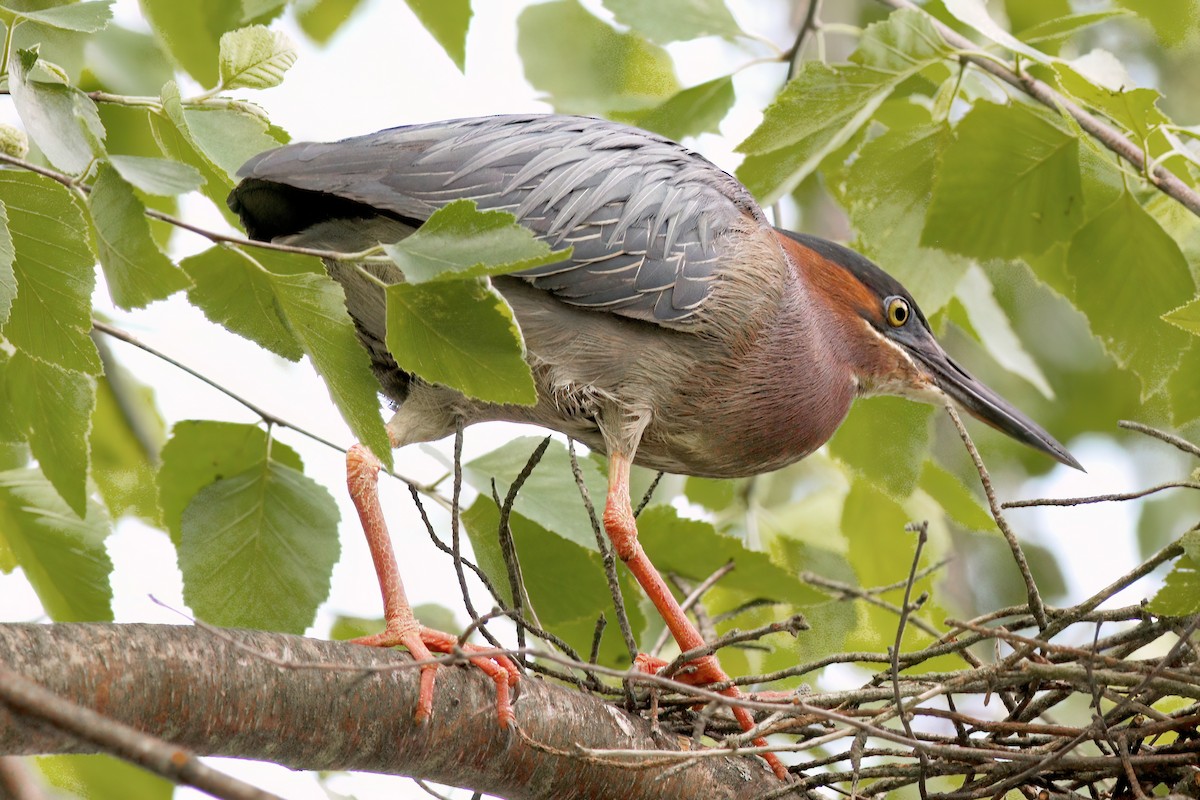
column 922, row 530
column 1100, row 498
column 692, row 598
column 1170, row 438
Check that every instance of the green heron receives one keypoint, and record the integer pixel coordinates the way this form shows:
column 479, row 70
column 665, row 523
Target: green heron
column 685, row 333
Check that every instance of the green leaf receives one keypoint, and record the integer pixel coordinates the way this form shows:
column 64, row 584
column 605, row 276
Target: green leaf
column 711, row 493
column 315, row 308
column 447, row 21
column 86, row 17
column 103, row 777
column 1176, row 22
column 127, row 62
column 8, row 278
column 171, row 134
column 460, row 334
column 323, row 18
column 823, row 106
column 954, row 498
column 695, row 550
column 1124, row 253
column 1060, row 28
column 995, row 332
column 191, row 30
column 887, row 189
column 549, row 497
column 458, row 241
column 137, row 272
column 61, row 554
column 238, row 294
column 227, row 136
column 126, row 438
column 1134, row 109
column 1009, row 185
column 202, row 452
column 257, row 549
column 974, row 14
column 254, row 58
column 564, row 582
column 61, row 120
column 586, row 67
column 158, row 176
column 693, row 111
column 669, row 21
column 1180, row 594
column 1186, row 316
column 54, row 407
column 54, row 271
column 885, row 439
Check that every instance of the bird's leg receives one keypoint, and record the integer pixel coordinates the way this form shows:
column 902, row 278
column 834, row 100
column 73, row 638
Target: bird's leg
column 402, row 628
column 621, row 527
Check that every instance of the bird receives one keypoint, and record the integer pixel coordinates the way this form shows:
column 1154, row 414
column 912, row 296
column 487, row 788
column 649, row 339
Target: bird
column 684, row 333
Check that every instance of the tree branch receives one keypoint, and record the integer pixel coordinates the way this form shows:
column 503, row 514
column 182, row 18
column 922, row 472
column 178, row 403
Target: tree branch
column 336, row 709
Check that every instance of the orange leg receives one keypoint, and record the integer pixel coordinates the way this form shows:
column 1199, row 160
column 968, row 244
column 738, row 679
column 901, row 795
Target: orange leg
column 362, row 477
column 621, row 527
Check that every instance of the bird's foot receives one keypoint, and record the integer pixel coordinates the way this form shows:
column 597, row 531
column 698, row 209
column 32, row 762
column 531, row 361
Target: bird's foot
column 422, row 642
column 705, row 671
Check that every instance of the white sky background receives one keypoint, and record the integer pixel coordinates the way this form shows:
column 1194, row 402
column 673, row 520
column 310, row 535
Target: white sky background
column 383, row 70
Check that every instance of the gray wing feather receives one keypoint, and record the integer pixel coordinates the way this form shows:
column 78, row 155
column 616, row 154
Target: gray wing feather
column 646, row 217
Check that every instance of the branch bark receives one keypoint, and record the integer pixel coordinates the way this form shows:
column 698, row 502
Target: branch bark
column 333, row 710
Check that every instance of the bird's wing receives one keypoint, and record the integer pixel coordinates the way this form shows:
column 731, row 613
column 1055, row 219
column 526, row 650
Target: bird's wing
column 648, row 219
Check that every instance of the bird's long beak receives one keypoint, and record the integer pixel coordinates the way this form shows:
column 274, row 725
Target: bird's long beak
column 983, row 403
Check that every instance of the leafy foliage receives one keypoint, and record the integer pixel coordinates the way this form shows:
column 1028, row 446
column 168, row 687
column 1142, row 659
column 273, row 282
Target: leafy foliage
column 1060, row 273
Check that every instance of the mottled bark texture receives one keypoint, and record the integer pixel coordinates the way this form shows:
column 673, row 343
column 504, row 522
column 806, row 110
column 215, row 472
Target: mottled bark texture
column 197, row 689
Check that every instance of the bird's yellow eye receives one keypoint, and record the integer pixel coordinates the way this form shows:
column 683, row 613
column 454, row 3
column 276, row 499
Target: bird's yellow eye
column 897, row 311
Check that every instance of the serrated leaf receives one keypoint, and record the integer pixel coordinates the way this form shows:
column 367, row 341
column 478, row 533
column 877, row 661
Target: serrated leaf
column 1186, row 316
column 549, row 497
column 954, row 498
column 564, row 582
column 1063, row 27
column 54, row 271
column 61, row 120
column 1124, row 253
column 1176, row 22
column 823, row 106
column 460, row 334
column 887, row 190
column 103, row 777
column 254, row 57
column 8, row 278
column 586, row 67
column 171, row 133
column 137, row 272
column 238, row 294
column 158, row 176
column 1135, row 109
column 458, row 241
column 61, row 554
column 54, row 408
column 202, row 452
column 191, row 29
column 694, row 549
column 227, row 136
column 1009, row 185
column 669, row 21
column 974, row 14
column 126, row 438
column 447, row 22
column 1180, row 594
column 85, row 17
column 885, row 439
column 257, row 549
column 315, row 307
column 693, row 111
column 323, row 18
column 995, row 332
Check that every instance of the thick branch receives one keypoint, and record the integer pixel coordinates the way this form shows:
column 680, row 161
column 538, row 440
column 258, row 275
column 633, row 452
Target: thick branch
column 204, row 692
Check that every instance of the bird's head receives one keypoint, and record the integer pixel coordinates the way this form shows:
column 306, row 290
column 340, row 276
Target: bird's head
column 892, row 349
